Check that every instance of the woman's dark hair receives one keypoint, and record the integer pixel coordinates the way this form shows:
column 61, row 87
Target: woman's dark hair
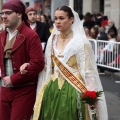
column 66, row 9
column 95, row 33
column 87, row 17
column 105, row 18
column 112, row 34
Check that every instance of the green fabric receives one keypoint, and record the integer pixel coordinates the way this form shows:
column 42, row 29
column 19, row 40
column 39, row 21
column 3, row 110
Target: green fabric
column 80, row 107
column 59, row 104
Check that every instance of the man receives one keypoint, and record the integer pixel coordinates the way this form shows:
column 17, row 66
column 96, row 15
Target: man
column 41, row 28
column 19, row 44
column 111, row 27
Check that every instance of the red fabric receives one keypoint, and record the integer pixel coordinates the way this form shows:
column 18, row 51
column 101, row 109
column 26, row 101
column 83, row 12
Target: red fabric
column 18, row 7
column 22, row 99
column 117, row 60
column 30, row 9
column 104, row 23
column 34, row 28
column 15, row 5
column 17, row 103
column 27, row 49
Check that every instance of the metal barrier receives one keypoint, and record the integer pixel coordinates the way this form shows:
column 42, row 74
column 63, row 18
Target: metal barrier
column 107, row 53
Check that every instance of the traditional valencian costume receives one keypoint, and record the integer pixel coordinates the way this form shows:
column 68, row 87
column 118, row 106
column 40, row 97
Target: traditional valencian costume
column 65, row 76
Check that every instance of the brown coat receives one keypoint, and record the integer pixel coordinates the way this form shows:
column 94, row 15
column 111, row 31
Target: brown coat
column 26, row 49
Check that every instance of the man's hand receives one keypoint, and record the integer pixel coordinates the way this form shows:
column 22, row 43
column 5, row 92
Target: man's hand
column 23, row 68
column 7, row 81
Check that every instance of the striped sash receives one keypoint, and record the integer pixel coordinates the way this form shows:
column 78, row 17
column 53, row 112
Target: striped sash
column 70, row 76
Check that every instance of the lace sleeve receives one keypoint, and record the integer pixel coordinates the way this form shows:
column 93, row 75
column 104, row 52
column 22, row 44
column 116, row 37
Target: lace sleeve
column 90, row 72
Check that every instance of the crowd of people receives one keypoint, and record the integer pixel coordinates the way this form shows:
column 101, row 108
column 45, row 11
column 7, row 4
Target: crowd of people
column 44, row 75
column 99, row 27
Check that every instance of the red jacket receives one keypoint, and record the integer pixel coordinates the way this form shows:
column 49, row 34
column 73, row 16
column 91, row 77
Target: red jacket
column 26, row 49
column 117, row 60
column 104, row 23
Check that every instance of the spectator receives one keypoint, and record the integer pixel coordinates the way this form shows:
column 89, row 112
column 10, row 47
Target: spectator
column 94, row 32
column 108, row 49
column 2, row 25
column 112, row 38
column 87, row 21
column 104, row 21
column 87, row 32
column 39, row 27
column 98, row 19
column 102, row 34
column 38, row 18
column 50, row 21
column 111, row 27
column 44, row 19
column 118, row 36
column 116, row 62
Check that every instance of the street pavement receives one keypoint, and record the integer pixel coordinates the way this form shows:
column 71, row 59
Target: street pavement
column 111, row 86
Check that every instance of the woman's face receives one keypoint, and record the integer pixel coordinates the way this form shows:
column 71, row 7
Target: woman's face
column 92, row 31
column 38, row 18
column 62, row 21
column 42, row 18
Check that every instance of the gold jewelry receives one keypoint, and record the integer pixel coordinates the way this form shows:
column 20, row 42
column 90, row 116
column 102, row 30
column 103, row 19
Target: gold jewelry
column 64, row 36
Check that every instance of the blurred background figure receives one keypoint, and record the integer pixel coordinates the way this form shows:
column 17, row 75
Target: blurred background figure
column 38, row 18
column 98, row 19
column 104, row 21
column 111, row 27
column 118, row 36
column 44, row 19
column 94, row 32
column 88, row 22
column 2, row 25
column 102, row 35
column 87, row 32
column 39, row 27
column 50, row 23
column 108, row 49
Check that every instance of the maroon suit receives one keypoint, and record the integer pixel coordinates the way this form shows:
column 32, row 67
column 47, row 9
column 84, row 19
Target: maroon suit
column 17, row 102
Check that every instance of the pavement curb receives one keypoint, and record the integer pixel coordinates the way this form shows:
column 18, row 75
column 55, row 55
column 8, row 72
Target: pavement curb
column 113, row 74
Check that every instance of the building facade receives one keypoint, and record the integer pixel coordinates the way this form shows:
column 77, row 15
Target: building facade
column 111, row 8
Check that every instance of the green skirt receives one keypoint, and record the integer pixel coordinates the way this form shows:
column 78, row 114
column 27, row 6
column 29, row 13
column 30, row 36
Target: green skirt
column 60, row 104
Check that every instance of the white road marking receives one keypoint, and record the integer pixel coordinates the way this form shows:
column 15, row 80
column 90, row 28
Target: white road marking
column 117, row 81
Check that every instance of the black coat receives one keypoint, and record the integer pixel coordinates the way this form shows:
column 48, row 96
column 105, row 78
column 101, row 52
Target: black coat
column 113, row 28
column 43, row 31
column 102, row 36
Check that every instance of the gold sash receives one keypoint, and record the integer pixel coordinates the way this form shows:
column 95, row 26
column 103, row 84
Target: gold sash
column 69, row 75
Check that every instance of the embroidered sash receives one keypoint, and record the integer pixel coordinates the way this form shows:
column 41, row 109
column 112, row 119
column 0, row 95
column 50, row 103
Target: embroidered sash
column 69, row 75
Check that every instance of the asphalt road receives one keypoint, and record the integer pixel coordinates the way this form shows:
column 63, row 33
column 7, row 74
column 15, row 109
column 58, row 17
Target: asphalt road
column 111, row 86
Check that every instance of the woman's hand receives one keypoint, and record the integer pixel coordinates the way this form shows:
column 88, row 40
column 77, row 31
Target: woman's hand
column 93, row 106
column 23, row 68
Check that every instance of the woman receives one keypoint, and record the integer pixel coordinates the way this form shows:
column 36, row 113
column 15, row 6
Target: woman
column 44, row 19
column 94, row 32
column 38, row 18
column 59, row 97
